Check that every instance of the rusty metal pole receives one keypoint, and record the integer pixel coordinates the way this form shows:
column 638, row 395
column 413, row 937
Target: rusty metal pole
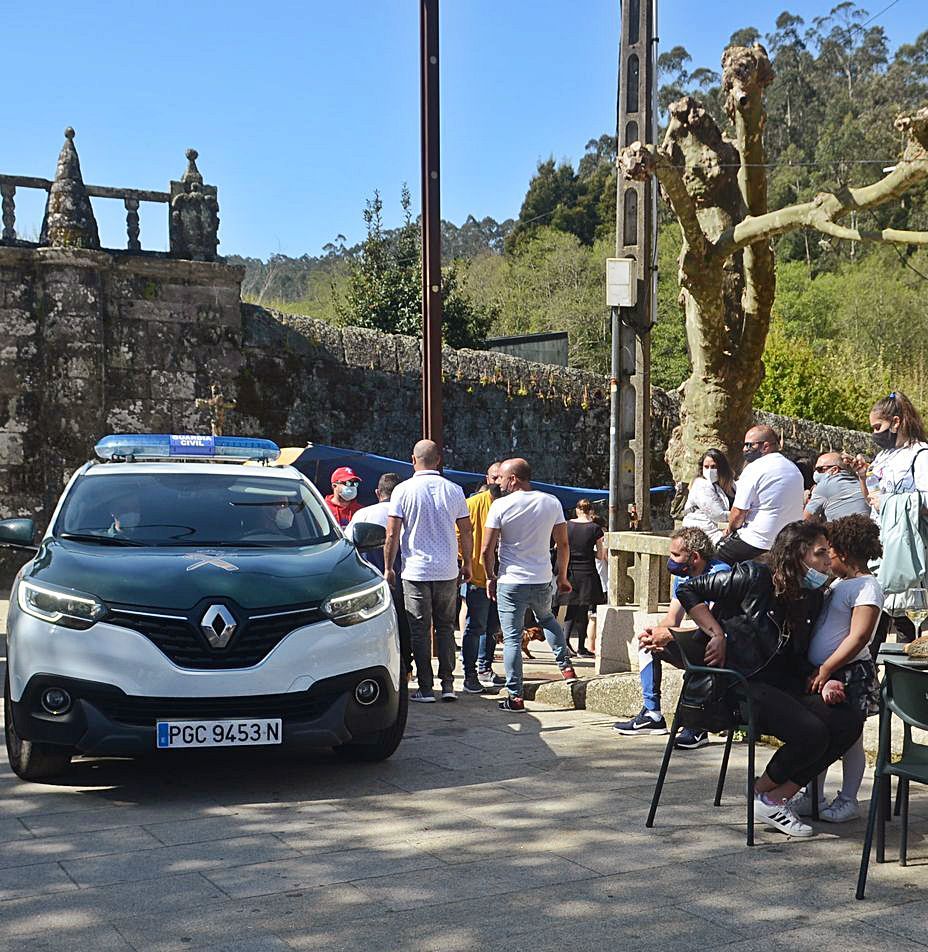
column 431, row 224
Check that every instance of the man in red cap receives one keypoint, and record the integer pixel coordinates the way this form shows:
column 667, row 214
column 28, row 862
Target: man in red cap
column 343, row 503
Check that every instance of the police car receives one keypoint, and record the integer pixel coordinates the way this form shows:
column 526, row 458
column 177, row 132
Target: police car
column 180, row 599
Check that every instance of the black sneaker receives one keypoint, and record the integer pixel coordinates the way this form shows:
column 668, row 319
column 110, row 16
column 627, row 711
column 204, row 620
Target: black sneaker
column 642, row 723
column 473, row 686
column 514, row 704
column 688, row 739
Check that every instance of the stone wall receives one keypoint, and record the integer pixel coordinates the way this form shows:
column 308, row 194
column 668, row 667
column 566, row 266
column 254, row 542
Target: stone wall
column 93, row 342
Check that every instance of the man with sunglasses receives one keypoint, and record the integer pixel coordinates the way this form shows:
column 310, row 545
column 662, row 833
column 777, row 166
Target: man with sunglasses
column 837, row 491
column 343, row 503
column 770, row 494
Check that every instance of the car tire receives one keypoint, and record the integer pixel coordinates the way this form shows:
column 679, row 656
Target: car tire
column 383, row 743
column 31, row 760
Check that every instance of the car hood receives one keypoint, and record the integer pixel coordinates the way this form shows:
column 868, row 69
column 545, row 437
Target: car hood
column 178, row 578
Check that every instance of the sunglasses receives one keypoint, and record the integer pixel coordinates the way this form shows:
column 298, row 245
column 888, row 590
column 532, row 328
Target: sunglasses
column 823, row 469
column 350, row 482
column 750, row 446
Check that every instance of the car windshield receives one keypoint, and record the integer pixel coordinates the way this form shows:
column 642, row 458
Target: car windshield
column 198, row 509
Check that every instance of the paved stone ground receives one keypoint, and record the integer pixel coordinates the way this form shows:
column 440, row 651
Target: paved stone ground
column 484, row 830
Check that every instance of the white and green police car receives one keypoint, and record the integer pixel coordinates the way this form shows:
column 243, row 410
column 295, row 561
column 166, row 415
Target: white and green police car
column 180, row 599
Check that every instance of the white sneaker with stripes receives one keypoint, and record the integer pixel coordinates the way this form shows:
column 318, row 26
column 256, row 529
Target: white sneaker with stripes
column 780, row 817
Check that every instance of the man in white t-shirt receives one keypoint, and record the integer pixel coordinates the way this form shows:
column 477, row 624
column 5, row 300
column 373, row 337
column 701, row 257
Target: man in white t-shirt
column 421, row 521
column 522, row 522
column 770, row 494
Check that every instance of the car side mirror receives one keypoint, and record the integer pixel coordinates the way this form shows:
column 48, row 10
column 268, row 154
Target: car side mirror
column 368, row 535
column 18, row 534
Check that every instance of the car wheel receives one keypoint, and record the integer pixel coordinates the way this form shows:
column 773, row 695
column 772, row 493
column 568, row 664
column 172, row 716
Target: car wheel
column 30, row 760
column 381, row 744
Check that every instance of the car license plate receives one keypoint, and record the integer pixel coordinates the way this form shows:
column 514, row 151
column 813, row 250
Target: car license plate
column 224, row 733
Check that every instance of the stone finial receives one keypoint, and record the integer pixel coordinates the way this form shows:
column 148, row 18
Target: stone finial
column 193, row 173
column 69, row 220
column 194, row 216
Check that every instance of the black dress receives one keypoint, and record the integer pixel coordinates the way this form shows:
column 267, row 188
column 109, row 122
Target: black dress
column 587, row 588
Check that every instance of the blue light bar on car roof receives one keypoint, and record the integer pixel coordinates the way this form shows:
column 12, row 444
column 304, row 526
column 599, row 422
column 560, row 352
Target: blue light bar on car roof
column 149, row 446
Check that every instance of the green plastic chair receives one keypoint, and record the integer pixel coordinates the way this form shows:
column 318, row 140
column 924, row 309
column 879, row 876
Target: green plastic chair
column 905, row 694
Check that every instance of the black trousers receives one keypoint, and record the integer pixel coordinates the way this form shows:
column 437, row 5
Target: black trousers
column 577, row 622
column 814, row 734
column 733, row 550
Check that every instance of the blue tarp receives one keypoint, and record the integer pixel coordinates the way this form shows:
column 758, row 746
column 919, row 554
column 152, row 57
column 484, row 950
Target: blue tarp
column 318, row 462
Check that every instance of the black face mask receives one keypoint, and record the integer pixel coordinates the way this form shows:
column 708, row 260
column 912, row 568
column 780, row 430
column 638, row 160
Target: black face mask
column 494, row 490
column 885, row 439
column 749, row 456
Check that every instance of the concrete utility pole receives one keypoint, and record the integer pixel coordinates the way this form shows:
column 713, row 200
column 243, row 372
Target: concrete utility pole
column 632, row 288
column 431, row 224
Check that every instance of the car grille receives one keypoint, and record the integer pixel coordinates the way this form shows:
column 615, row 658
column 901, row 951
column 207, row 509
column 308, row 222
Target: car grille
column 145, row 711
column 182, row 641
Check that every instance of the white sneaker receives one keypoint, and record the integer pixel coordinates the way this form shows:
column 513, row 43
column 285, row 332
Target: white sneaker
column 781, row 817
column 801, row 803
column 840, row 810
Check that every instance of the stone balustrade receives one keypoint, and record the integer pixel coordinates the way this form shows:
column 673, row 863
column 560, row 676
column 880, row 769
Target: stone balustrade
column 69, row 221
column 638, row 569
column 130, row 197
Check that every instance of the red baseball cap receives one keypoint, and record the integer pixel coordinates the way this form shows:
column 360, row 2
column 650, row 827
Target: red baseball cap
column 343, row 474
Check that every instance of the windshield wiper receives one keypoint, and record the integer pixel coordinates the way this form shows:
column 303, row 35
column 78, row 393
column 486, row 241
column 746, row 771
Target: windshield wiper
column 98, row 539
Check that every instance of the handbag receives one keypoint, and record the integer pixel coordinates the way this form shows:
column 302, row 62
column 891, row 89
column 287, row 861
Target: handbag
column 706, row 700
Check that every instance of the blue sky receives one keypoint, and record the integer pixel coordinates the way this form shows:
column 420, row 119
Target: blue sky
column 301, row 109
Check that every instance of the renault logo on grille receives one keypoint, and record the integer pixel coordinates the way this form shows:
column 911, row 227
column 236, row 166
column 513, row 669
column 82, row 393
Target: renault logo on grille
column 218, row 625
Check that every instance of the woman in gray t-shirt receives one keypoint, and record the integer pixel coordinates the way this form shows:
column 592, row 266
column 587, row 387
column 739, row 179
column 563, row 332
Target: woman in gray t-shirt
column 840, row 648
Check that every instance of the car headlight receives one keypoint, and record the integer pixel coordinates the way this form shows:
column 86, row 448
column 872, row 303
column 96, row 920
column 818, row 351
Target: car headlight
column 350, row 608
column 59, row 606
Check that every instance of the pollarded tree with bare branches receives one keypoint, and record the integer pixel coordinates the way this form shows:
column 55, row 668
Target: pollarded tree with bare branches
column 717, row 188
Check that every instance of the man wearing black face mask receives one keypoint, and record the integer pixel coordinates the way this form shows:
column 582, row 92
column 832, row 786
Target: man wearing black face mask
column 770, row 494
column 691, row 555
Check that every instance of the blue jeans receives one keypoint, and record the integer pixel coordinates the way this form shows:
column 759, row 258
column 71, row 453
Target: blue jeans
column 649, row 671
column 475, row 636
column 512, row 601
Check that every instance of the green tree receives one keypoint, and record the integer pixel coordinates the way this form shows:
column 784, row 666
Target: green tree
column 551, row 282
column 383, row 289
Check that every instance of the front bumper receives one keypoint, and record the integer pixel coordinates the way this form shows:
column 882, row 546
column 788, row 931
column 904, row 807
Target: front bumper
column 104, row 720
column 110, row 654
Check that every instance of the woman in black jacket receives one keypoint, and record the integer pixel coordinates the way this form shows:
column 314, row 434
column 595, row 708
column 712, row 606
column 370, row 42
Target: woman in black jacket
column 760, row 624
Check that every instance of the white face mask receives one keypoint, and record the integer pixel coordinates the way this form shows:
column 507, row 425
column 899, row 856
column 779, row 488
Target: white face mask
column 347, row 492
column 284, row 518
column 710, row 475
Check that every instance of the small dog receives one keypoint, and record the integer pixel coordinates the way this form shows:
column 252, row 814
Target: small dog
column 528, row 634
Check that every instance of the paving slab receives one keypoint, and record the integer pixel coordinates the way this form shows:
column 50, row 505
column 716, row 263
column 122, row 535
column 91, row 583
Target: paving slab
column 485, row 830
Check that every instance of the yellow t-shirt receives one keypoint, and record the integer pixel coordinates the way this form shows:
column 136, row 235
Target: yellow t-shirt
column 478, row 506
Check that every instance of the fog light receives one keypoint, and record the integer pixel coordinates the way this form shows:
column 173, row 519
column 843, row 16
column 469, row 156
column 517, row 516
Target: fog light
column 56, row 701
column 367, row 692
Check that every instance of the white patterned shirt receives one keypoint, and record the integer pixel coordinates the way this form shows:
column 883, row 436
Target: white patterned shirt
column 430, row 507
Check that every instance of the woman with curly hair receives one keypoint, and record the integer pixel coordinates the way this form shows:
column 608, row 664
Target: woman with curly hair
column 760, row 624
column 840, row 650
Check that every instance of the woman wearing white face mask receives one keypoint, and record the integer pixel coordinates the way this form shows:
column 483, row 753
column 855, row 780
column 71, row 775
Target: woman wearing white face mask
column 710, row 496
